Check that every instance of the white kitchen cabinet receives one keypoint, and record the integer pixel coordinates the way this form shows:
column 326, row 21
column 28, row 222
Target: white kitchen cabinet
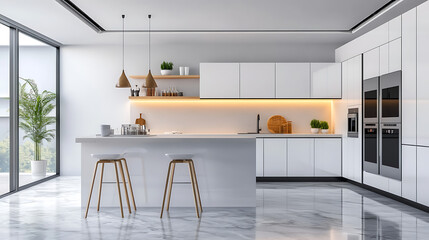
column 384, row 59
column 409, row 171
column 409, row 77
column 352, row 158
column 219, row 80
column 376, row 181
column 422, row 74
column 275, row 157
column 325, row 80
column 353, row 81
column 327, row 155
column 395, row 28
column 422, row 175
column 371, row 63
column 395, row 55
column 292, row 80
column 300, row 158
column 259, row 157
column 257, row 80
column 395, row 187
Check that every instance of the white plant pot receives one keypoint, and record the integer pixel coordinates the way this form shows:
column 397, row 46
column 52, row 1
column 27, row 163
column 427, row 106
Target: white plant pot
column 38, row 168
column 325, row 131
column 166, row 72
column 314, row 130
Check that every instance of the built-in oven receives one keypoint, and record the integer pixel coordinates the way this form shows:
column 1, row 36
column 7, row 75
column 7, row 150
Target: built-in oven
column 352, row 123
column 390, row 150
column 370, row 100
column 370, row 148
column 390, row 98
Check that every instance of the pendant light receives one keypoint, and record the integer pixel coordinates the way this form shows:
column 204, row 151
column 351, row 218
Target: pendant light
column 123, row 80
column 150, row 82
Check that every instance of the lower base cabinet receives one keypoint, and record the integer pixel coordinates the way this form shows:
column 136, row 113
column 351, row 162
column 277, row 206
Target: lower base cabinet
column 298, row 157
column 409, row 172
column 423, row 175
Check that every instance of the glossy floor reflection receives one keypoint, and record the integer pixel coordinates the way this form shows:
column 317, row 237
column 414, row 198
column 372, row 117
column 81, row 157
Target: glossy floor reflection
column 284, row 211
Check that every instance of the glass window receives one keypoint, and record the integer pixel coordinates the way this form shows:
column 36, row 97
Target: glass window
column 4, row 110
column 37, row 124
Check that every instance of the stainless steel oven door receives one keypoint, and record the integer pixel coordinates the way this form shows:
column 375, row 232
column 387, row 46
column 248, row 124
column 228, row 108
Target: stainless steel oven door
column 370, row 100
column 390, row 150
column 390, row 97
column 370, row 148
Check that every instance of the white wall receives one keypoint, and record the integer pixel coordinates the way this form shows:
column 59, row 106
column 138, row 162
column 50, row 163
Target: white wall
column 89, row 73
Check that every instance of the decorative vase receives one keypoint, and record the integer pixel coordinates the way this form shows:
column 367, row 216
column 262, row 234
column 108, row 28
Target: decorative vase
column 166, row 72
column 38, row 168
column 314, row 130
column 325, row 131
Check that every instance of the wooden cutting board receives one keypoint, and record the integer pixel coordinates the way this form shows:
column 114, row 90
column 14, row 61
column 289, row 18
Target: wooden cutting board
column 140, row 121
column 275, row 124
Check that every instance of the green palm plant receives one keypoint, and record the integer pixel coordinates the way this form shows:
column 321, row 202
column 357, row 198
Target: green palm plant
column 34, row 108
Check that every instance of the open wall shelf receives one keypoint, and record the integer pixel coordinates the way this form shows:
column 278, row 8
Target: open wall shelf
column 167, row 76
column 164, row 98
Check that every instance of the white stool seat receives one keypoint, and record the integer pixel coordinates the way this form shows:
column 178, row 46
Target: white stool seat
column 179, row 155
column 107, row 156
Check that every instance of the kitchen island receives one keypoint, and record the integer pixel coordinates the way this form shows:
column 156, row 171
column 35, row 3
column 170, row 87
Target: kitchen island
column 225, row 166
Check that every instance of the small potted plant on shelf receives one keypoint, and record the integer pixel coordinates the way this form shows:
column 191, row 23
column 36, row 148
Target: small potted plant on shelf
column 166, row 68
column 315, row 126
column 324, row 126
column 34, row 110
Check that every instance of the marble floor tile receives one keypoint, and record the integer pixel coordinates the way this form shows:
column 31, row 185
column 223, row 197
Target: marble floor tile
column 284, row 211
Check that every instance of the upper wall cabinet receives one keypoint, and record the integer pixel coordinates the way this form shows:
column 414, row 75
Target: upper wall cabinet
column 293, row 80
column 371, row 63
column 395, row 28
column 257, row 80
column 325, row 80
column 219, row 80
column 352, row 81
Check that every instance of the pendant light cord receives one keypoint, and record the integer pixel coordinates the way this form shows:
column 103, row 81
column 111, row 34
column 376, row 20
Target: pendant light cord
column 149, row 16
column 123, row 40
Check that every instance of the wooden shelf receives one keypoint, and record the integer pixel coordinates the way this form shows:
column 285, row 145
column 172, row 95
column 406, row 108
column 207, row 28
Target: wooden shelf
column 167, row 76
column 163, row 98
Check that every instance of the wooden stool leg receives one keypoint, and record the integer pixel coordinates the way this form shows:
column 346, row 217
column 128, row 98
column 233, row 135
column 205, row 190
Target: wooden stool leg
column 196, row 185
column 171, row 186
column 119, row 189
column 101, row 184
column 165, row 190
column 193, row 188
column 121, row 169
column 129, row 183
column 92, row 186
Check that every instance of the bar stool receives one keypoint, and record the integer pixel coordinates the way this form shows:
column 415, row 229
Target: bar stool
column 115, row 159
column 181, row 158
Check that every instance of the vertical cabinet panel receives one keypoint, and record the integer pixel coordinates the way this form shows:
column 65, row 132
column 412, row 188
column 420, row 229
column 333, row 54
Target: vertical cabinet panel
column 409, row 77
column 257, row 80
column 422, row 175
column 354, row 81
column 384, row 59
column 409, row 172
column 395, row 28
column 395, row 55
column 371, row 63
column 219, row 80
column 326, row 80
column 292, row 80
column 300, row 161
column 275, row 151
column 422, row 74
column 327, row 153
column 259, row 157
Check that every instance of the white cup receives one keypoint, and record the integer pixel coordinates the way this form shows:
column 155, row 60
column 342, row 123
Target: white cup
column 182, row 71
column 105, row 130
column 186, row 70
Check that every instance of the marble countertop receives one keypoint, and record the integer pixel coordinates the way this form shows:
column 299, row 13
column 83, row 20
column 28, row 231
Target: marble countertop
column 206, row 136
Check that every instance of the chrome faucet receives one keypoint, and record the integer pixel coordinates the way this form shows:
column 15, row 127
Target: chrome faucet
column 258, row 130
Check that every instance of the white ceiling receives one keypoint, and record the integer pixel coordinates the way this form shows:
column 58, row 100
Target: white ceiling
column 53, row 20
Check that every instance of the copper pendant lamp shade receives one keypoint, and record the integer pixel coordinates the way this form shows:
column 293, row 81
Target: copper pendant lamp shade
column 123, row 80
column 150, row 81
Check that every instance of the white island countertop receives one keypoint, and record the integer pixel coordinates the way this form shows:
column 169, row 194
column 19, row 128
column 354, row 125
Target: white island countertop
column 206, row 135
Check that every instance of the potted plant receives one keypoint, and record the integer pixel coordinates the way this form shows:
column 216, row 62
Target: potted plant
column 166, row 68
column 324, row 126
column 34, row 108
column 315, row 125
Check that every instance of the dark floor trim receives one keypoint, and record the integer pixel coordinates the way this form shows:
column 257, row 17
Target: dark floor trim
column 300, row 179
column 391, row 196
